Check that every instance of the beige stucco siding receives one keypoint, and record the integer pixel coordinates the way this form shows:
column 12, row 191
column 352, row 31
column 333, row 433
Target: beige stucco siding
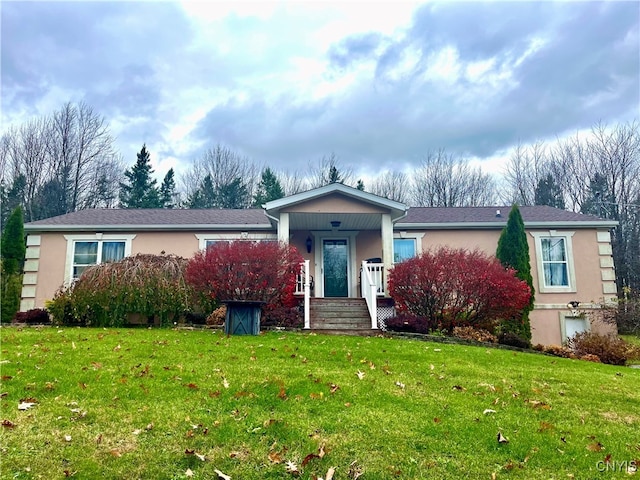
column 50, row 273
column 184, row 244
column 334, row 203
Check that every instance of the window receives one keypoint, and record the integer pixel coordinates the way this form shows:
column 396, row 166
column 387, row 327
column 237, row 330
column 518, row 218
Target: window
column 403, row 249
column 86, row 254
column 554, row 262
column 571, row 324
column 205, row 240
column 554, row 259
column 406, row 245
column 86, row 250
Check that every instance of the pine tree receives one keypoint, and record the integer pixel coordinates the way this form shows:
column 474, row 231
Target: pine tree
column 168, row 190
column 141, row 190
column 549, row 193
column 13, row 251
column 205, row 196
column 233, row 194
column 360, row 185
column 513, row 252
column 334, row 175
column 269, row 188
column 599, row 200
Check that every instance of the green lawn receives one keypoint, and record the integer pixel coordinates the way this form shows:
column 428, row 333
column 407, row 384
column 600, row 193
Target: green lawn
column 138, row 403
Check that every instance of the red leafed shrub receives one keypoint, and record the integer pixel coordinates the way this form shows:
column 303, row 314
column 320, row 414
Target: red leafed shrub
column 35, row 316
column 410, row 323
column 457, row 288
column 243, row 270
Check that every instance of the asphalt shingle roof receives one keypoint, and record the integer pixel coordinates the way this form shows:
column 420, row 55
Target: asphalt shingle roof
column 158, row 216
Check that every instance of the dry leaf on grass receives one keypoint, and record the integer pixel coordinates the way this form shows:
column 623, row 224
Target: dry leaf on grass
column 502, row 438
column 189, row 472
column 360, row 374
column 222, row 475
column 292, row 468
column 488, row 410
column 8, row 424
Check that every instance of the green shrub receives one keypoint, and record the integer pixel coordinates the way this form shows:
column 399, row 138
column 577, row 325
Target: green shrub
column 610, row 349
column 513, row 340
column 107, row 294
column 11, row 288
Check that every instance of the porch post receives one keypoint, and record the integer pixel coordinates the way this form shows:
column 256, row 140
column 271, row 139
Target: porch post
column 387, row 247
column 283, row 228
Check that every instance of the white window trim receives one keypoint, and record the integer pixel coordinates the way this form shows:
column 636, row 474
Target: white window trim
column 542, row 288
column 569, row 315
column 417, row 236
column 253, row 236
column 95, row 237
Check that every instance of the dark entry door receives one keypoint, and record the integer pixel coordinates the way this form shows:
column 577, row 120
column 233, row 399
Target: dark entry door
column 335, row 256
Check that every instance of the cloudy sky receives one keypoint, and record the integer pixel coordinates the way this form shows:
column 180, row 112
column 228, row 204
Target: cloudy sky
column 378, row 84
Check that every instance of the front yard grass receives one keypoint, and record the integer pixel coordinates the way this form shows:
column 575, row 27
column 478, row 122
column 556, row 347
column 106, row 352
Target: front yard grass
column 156, row 404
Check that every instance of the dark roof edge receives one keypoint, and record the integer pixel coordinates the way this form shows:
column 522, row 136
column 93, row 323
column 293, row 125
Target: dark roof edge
column 143, row 228
column 494, row 225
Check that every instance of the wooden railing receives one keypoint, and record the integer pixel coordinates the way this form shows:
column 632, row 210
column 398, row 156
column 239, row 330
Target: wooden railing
column 369, row 289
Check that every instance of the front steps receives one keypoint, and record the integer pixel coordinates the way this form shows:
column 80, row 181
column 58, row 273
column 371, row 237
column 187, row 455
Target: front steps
column 339, row 315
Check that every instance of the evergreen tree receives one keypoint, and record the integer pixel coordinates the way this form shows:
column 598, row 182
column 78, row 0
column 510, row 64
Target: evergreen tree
column 548, row 192
column 233, row 194
column 141, row 190
column 13, row 251
column 269, row 188
column 599, row 200
column 513, row 252
column 334, row 175
column 12, row 197
column 203, row 197
column 360, row 185
column 168, row 190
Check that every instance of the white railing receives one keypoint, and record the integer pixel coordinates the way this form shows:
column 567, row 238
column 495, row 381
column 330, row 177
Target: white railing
column 376, row 270
column 303, row 287
column 370, row 292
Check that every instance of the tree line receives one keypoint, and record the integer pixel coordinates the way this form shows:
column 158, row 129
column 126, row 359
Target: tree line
column 67, row 161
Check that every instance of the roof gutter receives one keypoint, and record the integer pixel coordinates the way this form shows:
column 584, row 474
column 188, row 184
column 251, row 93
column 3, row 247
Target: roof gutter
column 494, row 225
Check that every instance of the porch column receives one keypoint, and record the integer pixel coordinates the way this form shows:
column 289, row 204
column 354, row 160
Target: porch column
column 283, row 228
column 387, row 246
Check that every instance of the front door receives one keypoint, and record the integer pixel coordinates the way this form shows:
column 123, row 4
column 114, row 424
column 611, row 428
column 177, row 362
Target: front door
column 335, row 256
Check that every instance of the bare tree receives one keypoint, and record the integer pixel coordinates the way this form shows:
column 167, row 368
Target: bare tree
column 328, row 170
column 442, row 181
column 391, row 185
column 293, row 182
column 527, row 166
column 227, row 169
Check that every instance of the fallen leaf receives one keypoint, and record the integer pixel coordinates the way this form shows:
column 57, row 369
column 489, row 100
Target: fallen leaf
column 436, row 420
column 192, row 386
column 275, row 457
column 544, row 426
column 201, row 457
column 437, row 349
column 316, row 396
column 188, row 451
column 117, row 348
column 67, row 438
column 360, row 374
column 502, row 438
column 115, row 453
column 333, row 388
column 189, row 472
column 488, row 410
column 400, row 385
column 308, row 458
column 8, row 424
column 321, row 452
column 607, row 458
column 137, row 431
column 330, row 472
column 292, row 468
column 225, row 382
column 458, row 387
column 222, row 475
column 149, row 427
column 355, row 470
column 25, row 405
column 595, row 447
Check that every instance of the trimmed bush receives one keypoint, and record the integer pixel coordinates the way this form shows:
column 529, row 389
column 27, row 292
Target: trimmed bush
column 609, row 349
column 243, row 270
column 151, row 286
column 35, row 316
column 405, row 322
column 513, row 340
column 453, row 288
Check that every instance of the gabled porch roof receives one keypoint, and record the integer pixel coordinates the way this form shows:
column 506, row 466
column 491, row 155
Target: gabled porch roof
column 352, row 208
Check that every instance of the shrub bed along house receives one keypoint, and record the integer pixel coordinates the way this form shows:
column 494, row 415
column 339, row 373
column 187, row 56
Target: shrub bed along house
column 448, row 288
column 148, row 287
column 249, row 271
